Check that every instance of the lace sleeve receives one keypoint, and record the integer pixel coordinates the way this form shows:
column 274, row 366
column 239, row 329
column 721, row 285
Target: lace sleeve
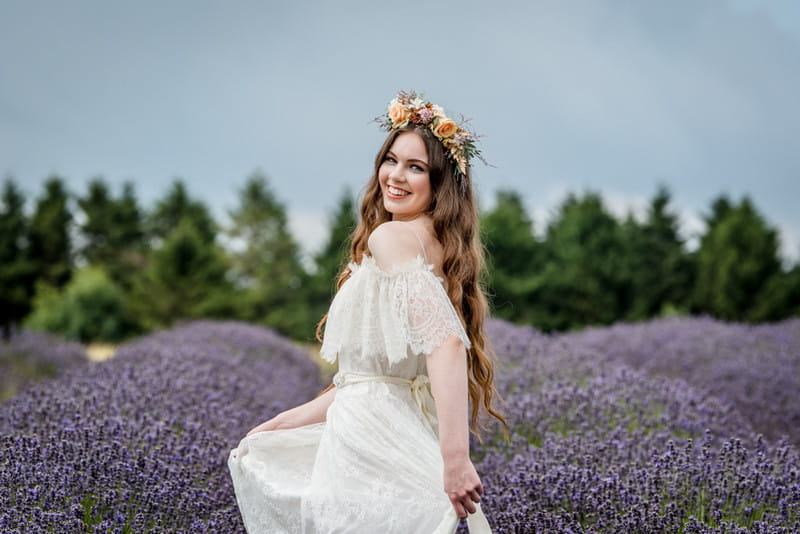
column 421, row 305
column 392, row 305
column 424, row 311
column 391, row 314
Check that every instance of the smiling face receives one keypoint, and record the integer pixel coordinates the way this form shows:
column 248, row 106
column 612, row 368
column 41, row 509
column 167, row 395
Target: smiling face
column 404, row 176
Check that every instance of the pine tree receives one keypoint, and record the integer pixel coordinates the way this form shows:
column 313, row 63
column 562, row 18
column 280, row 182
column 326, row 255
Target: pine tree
column 127, row 238
column 185, row 279
column 177, row 206
column 16, row 270
column 112, row 231
column 329, row 261
column 736, row 262
column 513, row 257
column 266, row 261
column 584, row 281
column 659, row 267
column 50, row 246
column 779, row 298
column 98, row 216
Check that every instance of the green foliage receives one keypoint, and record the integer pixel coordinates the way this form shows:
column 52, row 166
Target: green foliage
column 98, row 211
column 737, row 265
column 266, row 262
column 321, row 285
column 592, row 269
column 514, row 258
column 779, row 297
column 659, row 269
column 112, row 230
column 16, row 270
column 49, row 243
column 584, row 280
column 164, row 265
column 176, row 207
column 90, row 308
column 186, row 278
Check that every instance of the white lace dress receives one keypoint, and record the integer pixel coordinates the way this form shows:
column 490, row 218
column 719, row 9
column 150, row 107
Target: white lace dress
column 375, row 465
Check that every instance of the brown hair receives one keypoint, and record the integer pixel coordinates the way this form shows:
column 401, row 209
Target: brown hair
column 455, row 221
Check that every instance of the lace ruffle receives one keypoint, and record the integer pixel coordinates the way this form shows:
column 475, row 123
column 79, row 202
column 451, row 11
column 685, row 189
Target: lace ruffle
column 393, row 313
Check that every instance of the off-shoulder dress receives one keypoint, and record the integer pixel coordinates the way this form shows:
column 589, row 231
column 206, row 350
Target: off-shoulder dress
column 374, row 465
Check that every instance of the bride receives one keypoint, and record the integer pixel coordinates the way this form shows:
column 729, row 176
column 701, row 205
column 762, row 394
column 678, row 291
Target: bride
column 385, row 449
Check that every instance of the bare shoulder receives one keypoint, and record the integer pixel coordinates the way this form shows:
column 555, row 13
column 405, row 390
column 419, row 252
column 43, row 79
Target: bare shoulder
column 393, row 242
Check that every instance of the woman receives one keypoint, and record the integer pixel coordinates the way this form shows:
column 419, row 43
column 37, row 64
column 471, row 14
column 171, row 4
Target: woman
column 374, row 451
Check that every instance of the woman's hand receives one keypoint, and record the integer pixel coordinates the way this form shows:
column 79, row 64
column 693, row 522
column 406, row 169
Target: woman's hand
column 276, row 423
column 447, row 369
column 313, row 411
column 462, row 485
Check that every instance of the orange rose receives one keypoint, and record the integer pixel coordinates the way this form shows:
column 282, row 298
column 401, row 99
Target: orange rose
column 445, row 129
column 398, row 114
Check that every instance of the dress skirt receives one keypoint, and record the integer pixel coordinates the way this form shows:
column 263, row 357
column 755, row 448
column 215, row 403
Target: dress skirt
column 373, row 466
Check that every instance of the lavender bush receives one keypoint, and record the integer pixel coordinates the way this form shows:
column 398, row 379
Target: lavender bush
column 28, row 356
column 756, row 368
column 558, row 384
column 598, row 443
column 139, row 443
column 599, row 447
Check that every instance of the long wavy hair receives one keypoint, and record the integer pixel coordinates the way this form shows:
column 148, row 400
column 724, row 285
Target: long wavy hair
column 454, row 213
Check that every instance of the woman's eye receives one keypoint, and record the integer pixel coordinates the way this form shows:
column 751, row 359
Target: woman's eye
column 417, row 168
column 390, row 159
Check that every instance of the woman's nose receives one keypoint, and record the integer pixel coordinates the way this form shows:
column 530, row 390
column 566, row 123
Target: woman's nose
column 396, row 172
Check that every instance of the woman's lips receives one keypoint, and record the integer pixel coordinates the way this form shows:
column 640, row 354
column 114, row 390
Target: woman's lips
column 396, row 192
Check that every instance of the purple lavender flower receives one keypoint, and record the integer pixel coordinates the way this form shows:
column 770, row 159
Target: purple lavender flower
column 139, row 442
column 756, row 368
column 611, row 431
column 28, row 356
column 599, row 447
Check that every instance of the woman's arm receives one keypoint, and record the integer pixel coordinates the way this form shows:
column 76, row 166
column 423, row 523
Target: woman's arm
column 447, row 370
column 314, row 411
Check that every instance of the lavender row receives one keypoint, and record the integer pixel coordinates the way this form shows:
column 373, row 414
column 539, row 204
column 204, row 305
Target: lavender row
column 139, row 443
column 557, row 384
column 756, row 368
column 28, row 356
column 590, row 483
column 598, row 447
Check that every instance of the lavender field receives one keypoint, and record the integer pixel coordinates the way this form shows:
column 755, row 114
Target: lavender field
column 27, row 356
column 685, row 425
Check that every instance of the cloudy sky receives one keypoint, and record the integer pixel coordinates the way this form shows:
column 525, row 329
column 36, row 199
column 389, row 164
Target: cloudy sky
column 571, row 96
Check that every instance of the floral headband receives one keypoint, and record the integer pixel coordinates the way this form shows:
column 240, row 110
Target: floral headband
column 409, row 107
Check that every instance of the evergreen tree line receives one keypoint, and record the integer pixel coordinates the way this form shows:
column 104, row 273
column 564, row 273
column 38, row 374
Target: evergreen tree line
column 589, row 268
column 98, row 266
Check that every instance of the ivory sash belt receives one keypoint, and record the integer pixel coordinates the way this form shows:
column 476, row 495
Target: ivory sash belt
column 419, row 390
column 421, row 394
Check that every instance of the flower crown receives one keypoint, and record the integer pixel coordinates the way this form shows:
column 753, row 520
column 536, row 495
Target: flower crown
column 409, row 107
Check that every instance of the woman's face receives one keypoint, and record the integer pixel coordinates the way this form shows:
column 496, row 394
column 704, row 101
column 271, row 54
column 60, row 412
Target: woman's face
column 404, row 177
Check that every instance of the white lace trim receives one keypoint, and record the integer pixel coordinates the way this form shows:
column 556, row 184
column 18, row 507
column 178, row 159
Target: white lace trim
column 397, row 312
